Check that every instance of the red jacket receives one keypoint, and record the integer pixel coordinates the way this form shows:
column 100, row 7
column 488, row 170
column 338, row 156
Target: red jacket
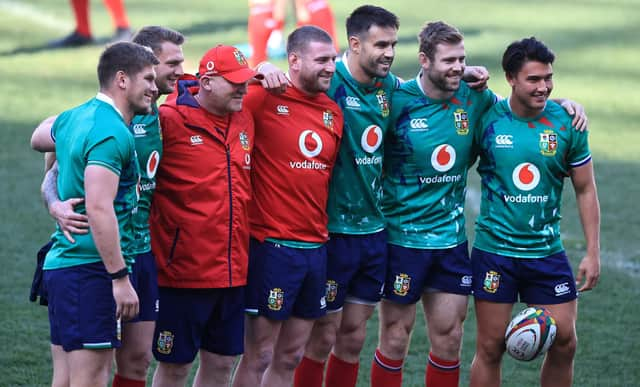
column 199, row 217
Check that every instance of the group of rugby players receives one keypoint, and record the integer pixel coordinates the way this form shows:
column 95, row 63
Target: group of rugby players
column 267, row 214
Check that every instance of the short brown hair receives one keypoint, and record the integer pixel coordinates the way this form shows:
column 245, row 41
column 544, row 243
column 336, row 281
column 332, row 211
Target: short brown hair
column 435, row 33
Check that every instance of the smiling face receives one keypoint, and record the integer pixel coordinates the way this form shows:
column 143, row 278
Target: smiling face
column 531, row 86
column 312, row 69
column 443, row 73
column 375, row 50
column 170, row 67
column 141, row 90
column 221, row 96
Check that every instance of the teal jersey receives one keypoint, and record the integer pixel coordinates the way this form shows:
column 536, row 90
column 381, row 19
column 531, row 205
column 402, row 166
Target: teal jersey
column 428, row 152
column 355, row 189
column 523, row 163
column 148, row 139
column 93, row 134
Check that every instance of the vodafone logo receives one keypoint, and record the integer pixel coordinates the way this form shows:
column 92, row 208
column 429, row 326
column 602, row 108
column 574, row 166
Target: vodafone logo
column 310, row 147
column 526, row 176
column 371, row 138
column 152, row 164
column 443, row 157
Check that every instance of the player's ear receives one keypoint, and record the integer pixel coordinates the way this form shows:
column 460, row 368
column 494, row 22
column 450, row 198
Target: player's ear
column 423, row 59
column 354, row 44
column 121, row 79
column 294, row 61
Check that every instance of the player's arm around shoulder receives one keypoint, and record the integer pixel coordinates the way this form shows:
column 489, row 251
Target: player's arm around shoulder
column 575, row 110
column 42, row 138
column 584, row 185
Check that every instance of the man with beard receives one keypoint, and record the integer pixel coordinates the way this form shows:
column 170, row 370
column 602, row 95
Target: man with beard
column 87, row 280
column 297, row 139
column 517, row 252
column 428, row 152
column 134, row 356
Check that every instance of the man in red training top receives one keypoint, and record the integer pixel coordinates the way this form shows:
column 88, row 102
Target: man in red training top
column 297, row 140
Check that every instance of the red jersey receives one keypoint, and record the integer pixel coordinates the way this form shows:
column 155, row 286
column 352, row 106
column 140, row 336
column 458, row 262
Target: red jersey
column 297, row 140
column 199, row 216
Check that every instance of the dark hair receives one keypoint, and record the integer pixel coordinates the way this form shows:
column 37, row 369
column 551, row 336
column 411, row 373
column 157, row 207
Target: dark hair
column 362, row 18
column 528, row 49
column 435, row 33
column 297, row 40
column 128, row 57
column 154, row 36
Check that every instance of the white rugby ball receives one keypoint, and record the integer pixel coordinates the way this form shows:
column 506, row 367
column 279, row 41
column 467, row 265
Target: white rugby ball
column 530, row 333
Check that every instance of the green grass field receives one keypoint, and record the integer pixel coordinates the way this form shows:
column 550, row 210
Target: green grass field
column 597, row 65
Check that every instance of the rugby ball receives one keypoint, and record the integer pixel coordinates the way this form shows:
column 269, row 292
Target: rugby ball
column 530, row 333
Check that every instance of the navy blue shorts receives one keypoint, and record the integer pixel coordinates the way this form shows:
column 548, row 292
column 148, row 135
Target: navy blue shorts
column 412, row 271
column 541, row 281
column 194, row 319
column 357, row 265
column 285, row 281
column 144, row 278
column 82, row 311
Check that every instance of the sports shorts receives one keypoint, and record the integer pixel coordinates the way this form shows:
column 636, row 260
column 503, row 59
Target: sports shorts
column 194, row 319
column 411, row 272
column 356, row 269
column 82, row 311
column 541, row 281
column 285, row 281
column 144, row 278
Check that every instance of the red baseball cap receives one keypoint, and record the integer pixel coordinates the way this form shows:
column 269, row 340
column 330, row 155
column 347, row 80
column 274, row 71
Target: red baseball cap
column 227, row 62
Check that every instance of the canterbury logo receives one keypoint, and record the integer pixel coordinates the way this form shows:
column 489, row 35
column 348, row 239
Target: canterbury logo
column 353, row 102
column 196, row 140
column 504, row 139
column 282, row 109
column 419, row 123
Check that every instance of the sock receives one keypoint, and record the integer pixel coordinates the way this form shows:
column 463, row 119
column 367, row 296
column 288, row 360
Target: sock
column 386, row 372
column 442, row 373
column 308, row 373
column 81, row 12
column 323, row 17
column 259, row 26
column 120, row 381
column 118, row 13
column 341, row 373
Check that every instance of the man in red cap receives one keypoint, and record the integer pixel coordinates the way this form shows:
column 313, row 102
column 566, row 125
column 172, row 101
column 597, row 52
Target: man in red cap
column 199, row 221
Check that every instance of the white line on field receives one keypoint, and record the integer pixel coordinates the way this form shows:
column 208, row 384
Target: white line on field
column 34, row 15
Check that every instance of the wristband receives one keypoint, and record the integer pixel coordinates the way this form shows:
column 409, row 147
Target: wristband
column 119, row 274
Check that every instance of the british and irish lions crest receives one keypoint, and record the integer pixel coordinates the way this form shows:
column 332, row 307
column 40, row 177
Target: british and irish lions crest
column 276, row 299
column 165, row 342
column 402, row 284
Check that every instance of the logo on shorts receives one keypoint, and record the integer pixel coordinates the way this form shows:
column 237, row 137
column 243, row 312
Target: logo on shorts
column 276, row 299
column 332, row 290
column 165, row 342
column 402, row 284
column 461, row 119
column 466, row 280
column 562, row 289
column 548, row 143
column 491, row 282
